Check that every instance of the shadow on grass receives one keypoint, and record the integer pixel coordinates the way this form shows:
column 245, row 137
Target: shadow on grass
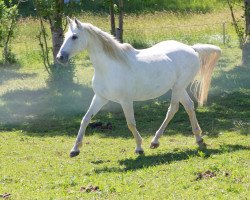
column 167, row 158
column 6, row 75
column 50, row 110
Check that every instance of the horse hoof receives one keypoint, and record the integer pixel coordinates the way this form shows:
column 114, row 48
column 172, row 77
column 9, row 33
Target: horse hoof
column 140, row 152
column 154, row 145
column 74, row 153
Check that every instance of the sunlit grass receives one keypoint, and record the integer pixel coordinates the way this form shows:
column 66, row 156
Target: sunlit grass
column 39, row 168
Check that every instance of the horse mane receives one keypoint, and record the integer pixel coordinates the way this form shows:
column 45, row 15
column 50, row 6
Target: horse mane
column 110, row 45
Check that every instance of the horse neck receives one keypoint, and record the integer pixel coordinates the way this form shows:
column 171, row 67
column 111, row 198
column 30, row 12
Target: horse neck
column 97, row 56
column 100, row 60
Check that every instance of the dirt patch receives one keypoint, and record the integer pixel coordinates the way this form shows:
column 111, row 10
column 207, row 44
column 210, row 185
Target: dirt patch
column 122, row 150
column 99, row 162
column 5, row 195
column 90, row 188
column 227, row 174
column 205, row 175
column 101, row 126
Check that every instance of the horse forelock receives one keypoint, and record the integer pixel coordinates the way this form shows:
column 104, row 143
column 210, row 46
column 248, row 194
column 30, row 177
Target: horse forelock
column 110, row 45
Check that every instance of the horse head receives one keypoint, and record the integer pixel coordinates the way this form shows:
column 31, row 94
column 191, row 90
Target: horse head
column 74, row 41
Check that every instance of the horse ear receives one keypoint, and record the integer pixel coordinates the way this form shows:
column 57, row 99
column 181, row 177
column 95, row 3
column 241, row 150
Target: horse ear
column 70, row 22
column 78, row 23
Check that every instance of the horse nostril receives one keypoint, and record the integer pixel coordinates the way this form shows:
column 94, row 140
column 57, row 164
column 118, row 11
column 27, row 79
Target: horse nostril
column 61, row 57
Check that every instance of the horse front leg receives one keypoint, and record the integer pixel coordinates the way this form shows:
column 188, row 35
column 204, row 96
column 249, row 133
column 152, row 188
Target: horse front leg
column 130, row 118
column 96, row 104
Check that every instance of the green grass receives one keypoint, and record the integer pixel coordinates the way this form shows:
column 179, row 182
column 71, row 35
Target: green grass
column 39, row 168
column 39, row 120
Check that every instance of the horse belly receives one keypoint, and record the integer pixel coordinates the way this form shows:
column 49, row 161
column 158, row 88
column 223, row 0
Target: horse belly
column 154, row 84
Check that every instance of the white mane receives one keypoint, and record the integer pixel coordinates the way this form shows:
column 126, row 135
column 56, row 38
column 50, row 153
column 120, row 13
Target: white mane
column 111, row 47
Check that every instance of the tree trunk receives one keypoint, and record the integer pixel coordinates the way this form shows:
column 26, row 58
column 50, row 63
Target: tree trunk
column 6, row 49
column 56, row 28
column 119, row 33
column 246, row 54
column 112, row 17
column 246, row 45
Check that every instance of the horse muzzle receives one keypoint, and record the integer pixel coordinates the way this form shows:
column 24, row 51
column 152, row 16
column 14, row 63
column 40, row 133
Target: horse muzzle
column 62, row 57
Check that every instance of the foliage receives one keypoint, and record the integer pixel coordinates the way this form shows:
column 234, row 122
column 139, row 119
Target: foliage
column 172, row 5
column 242, row 28
column 238, row 25
column 47, row 9
column 8, row 19
column 139, row 6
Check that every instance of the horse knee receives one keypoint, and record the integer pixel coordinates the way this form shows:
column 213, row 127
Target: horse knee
column 176, row 107
column 132, row 127
column 190, row 107
column 173, row 108
column 85, row 121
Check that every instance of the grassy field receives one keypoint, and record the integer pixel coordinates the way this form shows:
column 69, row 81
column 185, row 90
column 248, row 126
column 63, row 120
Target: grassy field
column 39, row 121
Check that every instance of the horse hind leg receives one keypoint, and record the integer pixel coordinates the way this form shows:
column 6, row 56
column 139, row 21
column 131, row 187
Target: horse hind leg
column 189, row 107
column 173, row 108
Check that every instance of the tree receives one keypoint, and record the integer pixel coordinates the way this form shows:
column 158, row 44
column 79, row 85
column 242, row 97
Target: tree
column 112, row 17
column 246, row 44
column 53, row 12
column 243, row 32
column 56, row 27
column 8, row 19
column 117, row 32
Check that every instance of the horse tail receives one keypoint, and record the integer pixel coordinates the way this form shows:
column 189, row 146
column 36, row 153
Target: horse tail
column 209, row 55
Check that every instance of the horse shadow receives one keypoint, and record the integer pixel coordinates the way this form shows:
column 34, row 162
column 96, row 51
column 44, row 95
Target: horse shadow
column 144, row 161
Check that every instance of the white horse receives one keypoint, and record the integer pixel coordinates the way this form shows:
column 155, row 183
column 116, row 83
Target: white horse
column 123, row 74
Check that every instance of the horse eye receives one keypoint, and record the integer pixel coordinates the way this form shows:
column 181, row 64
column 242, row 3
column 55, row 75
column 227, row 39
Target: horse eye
column 74, row 37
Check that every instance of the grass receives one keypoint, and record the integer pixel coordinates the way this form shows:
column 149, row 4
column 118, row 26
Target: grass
column 39, row 168
column 39, row 120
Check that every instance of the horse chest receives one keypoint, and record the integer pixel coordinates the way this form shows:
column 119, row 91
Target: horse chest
column 110, row 87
